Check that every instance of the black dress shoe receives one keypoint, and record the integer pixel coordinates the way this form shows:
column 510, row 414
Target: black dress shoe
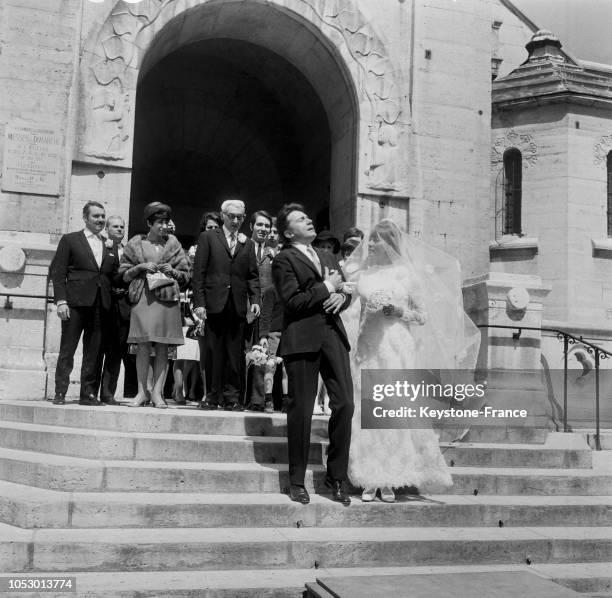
column 339, row 493
column 60, row 399
column 207, row 406
column 110, row 401
column 256, row 408
column 233, row 407
column 90, row 400
column 299, row 494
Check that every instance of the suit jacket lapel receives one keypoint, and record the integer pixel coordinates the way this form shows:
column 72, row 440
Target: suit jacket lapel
column 239, row 246
column 88, row 250
column 300, row 256
column 223, row 241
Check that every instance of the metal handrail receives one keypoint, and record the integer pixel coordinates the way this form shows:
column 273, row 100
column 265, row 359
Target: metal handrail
column 568, row 339
column 8, row 304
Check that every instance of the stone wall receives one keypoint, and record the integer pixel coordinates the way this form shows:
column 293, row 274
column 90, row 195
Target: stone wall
column 37, row 40
column 452, row 116
column 563, row 208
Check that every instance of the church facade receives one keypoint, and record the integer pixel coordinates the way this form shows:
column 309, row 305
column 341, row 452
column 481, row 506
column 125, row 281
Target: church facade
column 360, row 109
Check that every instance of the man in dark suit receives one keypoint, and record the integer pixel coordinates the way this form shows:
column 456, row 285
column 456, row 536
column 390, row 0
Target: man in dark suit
column 224, row 276
column 261, row 223
column 82, row 270
column 116, row 345
column 309, row 283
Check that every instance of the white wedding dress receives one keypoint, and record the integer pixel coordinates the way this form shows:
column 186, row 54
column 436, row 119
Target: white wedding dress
column 390, row 457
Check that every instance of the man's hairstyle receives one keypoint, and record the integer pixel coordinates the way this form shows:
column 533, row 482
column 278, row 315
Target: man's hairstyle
column 238, row 203
column 352, row 232
column 214, row 216
column 281, row 218
column 89, row 205
column 114, row 217
column 259, row 213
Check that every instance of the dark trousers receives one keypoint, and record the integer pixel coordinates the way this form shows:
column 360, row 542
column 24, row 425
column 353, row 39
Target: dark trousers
column 115, row 351
column 303, row 369
column 222, row 355
column 91, row 322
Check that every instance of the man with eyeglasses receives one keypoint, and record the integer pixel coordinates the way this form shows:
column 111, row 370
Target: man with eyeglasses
column 225, row 275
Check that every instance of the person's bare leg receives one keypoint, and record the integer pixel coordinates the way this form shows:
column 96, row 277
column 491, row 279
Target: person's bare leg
column 160, row 370
column 143, row 358
column 180, row 373
column 191, row 374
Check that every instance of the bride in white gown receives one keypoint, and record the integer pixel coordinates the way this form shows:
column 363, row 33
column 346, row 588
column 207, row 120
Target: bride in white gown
column 408, row 315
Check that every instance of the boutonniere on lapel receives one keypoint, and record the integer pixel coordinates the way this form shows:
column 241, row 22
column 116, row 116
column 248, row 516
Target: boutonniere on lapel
column 108, row 244
column 269, row 254
column 242, row 238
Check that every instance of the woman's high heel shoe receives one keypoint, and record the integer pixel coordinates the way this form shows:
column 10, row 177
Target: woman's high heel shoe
column 387, row 494
column 368, row 495
column 139, row 401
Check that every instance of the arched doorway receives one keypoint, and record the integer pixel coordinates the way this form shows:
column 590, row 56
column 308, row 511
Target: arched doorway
column 225, row 113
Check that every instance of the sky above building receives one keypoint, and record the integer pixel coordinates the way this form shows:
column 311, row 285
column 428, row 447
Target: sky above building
column 583, row 26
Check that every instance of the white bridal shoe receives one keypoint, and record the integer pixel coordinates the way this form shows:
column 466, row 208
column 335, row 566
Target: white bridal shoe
column 368, row 495
column 387, row 494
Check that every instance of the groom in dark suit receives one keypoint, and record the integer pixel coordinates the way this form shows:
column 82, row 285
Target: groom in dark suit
column 82, row 271
column 224, row 276
column 314, row 341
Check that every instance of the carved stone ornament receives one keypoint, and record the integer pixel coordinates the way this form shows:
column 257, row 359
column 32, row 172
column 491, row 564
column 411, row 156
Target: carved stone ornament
column 12, row 258
column 517, row 299
column 524, row 142
column 129, row 29
column 108, row 126
column 601, row 150
column 377, row 85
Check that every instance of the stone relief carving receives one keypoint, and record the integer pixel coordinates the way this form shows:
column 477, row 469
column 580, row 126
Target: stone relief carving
column 110, row 110
column 524, row 142
column 129, row 26
column 107, row 130
column 601, row 150
column 377, row 84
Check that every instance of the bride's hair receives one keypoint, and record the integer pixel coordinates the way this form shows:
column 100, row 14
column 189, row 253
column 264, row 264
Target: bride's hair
column 386, row 230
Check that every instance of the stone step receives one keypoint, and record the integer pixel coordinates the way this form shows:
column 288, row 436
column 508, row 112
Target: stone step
column 605, row 439
column 501, row 584
column 189, row 420
column 29, row 507
column 160, row 446
column 583, row 577
column 274, row 583
column 58, row 472
column 277, row 548
column 141, row 446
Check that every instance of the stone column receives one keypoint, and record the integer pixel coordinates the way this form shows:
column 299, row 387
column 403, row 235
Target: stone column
column 509, row 361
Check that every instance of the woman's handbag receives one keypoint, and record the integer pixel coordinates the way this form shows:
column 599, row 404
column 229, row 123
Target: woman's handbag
column 155, row 280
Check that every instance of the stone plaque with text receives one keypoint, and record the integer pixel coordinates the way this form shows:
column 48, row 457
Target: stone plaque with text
column 32, row 159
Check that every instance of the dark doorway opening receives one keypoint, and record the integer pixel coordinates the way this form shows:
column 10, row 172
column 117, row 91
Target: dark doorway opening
column 224, row 117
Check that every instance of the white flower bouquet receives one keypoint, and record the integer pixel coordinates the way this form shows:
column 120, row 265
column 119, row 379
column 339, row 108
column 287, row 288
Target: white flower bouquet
column 259, row 355
column 377, row 300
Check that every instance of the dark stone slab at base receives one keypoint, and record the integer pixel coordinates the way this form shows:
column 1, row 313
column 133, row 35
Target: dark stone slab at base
column 503, row 584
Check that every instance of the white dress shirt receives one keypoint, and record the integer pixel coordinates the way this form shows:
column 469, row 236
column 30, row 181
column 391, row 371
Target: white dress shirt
column 311, row 254
column 257, row 246
column 228, row 237
column 97, row 245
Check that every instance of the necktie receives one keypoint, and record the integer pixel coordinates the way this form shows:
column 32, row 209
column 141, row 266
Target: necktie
column 232, row 245
column 312, row 254
column 259, row 252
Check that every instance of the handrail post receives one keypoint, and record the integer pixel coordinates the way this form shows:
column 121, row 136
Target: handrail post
column 597, row 440
column 565, row 350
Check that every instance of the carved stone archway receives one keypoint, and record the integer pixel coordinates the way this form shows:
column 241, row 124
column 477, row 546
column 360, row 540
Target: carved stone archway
column 330, row 41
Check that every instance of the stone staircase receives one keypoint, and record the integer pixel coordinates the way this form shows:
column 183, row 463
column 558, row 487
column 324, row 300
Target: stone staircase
column 142, row 502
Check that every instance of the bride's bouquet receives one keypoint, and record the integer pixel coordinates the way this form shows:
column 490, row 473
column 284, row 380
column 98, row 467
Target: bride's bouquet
column 377, row 300
column 258, row 355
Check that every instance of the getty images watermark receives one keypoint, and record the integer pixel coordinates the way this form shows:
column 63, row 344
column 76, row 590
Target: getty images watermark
column 422, row 398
